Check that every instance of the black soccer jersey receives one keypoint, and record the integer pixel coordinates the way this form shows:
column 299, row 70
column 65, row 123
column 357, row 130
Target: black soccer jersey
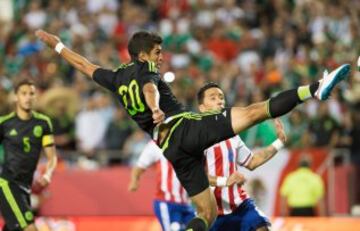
column 23, row 141
column 127, row 83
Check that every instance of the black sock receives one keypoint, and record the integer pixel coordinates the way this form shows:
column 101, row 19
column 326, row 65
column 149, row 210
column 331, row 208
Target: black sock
column 197, row 224
column 287, row 100
column 313, row 88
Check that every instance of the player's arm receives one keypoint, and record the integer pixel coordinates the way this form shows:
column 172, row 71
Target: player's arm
column 136, row 173
column 265, row 154
column 152, row 98
column 50, row 152
column 261, row 156
column 148, row 157
column 152, row 95
column 221, row 181
column 76, row 60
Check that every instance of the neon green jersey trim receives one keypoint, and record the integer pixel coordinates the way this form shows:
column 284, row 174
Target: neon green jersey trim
column 43, row 117
column 166, row 144
column 4, row 184
column 6, row 117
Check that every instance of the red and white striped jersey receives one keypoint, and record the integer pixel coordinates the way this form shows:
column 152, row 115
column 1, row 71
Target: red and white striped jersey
column 168, row 186
column 223, row 159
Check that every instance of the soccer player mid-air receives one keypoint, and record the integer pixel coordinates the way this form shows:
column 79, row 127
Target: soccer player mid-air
column 183, row 136
column 236, row 211
column 24, row 133
column 172, row 205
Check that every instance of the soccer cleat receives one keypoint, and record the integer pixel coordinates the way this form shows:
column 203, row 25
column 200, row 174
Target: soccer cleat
column 329, row 80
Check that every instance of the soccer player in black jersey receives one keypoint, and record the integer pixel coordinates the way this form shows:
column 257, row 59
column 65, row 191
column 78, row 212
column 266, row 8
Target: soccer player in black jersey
column 23, row 133
column 183, row 136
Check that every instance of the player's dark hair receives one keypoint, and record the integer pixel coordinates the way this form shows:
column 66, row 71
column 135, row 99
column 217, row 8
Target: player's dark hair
column 201, row 92
column 23, row 81
column 142, row 41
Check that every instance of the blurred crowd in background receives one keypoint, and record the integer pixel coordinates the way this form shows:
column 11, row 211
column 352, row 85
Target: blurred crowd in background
column 252, row 48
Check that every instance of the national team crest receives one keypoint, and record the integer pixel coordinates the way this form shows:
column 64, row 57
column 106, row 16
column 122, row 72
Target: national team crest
column 38, row 131
column 29, row 216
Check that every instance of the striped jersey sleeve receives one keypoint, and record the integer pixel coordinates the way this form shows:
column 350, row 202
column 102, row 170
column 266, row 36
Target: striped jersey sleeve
column 244, row 154
column 149, row 156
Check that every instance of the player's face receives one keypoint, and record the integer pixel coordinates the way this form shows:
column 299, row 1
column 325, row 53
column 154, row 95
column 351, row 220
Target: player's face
column 25, row 97
column 156, row 55
column 213, row 100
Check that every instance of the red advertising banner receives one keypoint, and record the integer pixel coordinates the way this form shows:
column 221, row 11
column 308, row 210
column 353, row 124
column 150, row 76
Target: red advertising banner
column 102, row 192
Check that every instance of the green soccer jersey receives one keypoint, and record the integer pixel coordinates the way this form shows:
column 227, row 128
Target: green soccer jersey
column 23, row 141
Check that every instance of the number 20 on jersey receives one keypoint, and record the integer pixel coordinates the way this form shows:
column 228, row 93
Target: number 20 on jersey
column 132, row 92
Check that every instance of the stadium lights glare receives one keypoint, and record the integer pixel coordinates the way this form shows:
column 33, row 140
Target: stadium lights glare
column 169, row 76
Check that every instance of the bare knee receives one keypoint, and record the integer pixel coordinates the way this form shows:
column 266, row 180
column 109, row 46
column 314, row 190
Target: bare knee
column 245, row 117
column 257, row 112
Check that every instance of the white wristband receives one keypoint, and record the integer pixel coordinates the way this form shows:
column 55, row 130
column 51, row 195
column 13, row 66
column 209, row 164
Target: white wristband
column 278, row 144
column 59, row 46
column 221, row 181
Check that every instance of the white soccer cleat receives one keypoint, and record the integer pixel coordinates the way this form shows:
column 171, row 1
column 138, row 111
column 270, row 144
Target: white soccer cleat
column 329, row 81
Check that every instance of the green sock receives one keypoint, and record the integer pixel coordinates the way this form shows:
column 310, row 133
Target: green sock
column 304, row 92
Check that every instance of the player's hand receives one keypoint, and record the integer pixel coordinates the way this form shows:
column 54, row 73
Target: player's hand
column 158, row 115
column 280, row 132
column 49, row 39
column 44, row 181
column 133, row 186
column 236, row 178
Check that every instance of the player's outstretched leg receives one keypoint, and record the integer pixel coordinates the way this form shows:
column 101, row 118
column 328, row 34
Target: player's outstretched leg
column 206, row 211
column 285, row 101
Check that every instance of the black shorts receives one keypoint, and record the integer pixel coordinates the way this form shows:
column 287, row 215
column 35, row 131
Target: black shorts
column 15, row 206
column 187, row 142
